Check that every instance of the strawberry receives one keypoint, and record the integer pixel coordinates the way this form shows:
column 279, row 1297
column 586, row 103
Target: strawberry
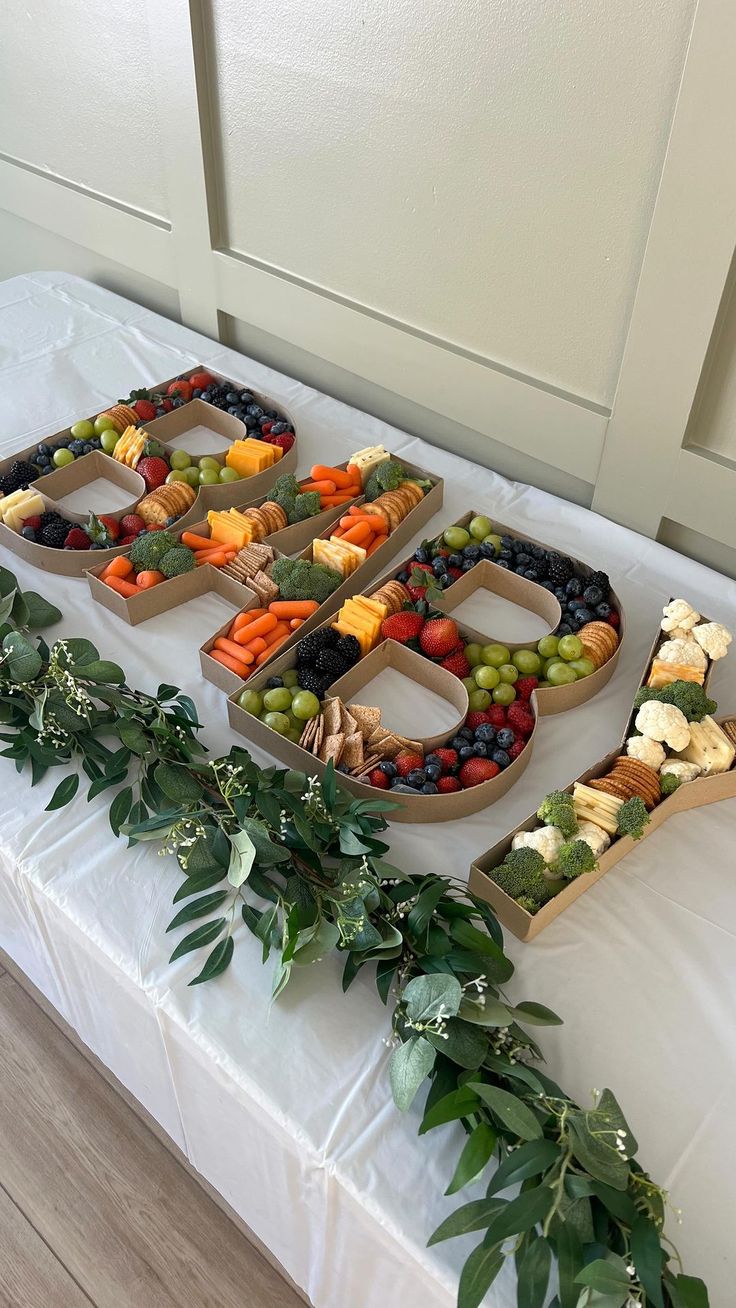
column 455, row 573
column 34, row 521
column 447, row 785
column 407, row 761
column 474, row 720
column 266, row 426
column 438, row 637
column 153, row 471
column 167, row 404
column 476, row 770
column 127, row 540
column 378, row 778
column 131, row 524
column 497, row 715
column 180, row 388
column 111, row 525
column 284, row 442
column 199, row 381
column 156, row 526
column 145, row 410
column 516, row 749
column 402, row 627
column 77, row 539
column 519, row 717
column 102, row 529
column 525, row 685
column 447, row 758
column 457, row 664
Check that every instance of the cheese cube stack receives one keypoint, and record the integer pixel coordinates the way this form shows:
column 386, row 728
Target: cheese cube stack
column 338, row 554
column 250, row 456
column 367, row 460
column 709, row 747
column 663, row 674
column 19, row 505
column 361, row 618
column 230, row 528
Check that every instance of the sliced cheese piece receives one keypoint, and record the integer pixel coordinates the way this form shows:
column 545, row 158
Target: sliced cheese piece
column 663, row 674
column 709, row 747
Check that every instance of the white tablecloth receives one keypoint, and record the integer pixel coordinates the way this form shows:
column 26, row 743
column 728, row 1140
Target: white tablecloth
column 286, row 1109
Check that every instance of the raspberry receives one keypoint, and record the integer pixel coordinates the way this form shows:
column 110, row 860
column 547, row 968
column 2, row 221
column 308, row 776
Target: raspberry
column 518, row 717
column 34, row 522
column 447, row 785
column 477, row 770
column 525, row 685
column 474, row 720
column 407, row 761
column 284, row 442
column 131, row 524
column 455, row 573
column 378, row 778
column 457, row 664
column 516, row 749
column 447, row 758
column 77, row 539
column 126, row 540
column 613, row 619
column 497, row 715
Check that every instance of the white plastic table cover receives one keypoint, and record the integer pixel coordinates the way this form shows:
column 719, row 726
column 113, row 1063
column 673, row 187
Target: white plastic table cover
column 286, row 1109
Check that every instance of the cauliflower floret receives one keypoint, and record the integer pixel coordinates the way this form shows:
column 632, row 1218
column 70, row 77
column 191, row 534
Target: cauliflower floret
column 680, row 768
column 595, row 836
column 547, row 841
column 714, row 638
column 663, row 722
column 646, row 751
column 685, row 652
column 679, row 615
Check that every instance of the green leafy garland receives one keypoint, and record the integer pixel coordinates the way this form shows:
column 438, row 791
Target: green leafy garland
column 303, row 865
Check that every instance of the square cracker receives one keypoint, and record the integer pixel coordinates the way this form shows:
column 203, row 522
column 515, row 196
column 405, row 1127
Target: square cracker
column 352, row 754
column 332, row 714
column 332, row 747
column 366, row 719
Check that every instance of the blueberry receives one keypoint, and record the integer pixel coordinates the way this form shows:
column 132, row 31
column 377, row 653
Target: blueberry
column 233, row 409
column 603, row 611
column 274, row 683
column 486, row 733
column 573, row 604
column 429, row 788
column 465, row 753
column 416, row 777
column 420, row 555
column 480, row 749
column 430, row 759
column 574, row 586
column 246, row 397
column 402, row 576
column 502, row 563
column 398, row 781
column 445, row 581
column 274, row 417
column 42, row 461
column 44, row 449
column 439, row 567
column 455, row 561
column 531, row 574
column 279, row 428
column 250, row 422
column 500, row 757
column 433, row 771
column 507, row 542
column 387, row 768
column 170, row 522
column 523, row 559
column 28, row 533
column 468, row 564
column 564, row 629
column 487, row 551
column 560, row 594
column 520, row 571
column 471, row 552
column 583, row 615
column 505, row 738
column 593, row 595
column 465, row 733
column 232, row 397
column 457, row 743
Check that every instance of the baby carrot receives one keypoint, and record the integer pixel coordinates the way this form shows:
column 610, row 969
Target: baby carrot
column 119, row 567
column 296, row 623
column 334, row 501
column 341, row 479
column 325, row 487
column 271, row 650
column 360, row 534
column 274, row 637
column 125, row 588
column 258, row 628
column 244, row 620
column 355, row 473
column 218, row 559
column 145, row 580
column 375, row 543
column 235, row 651
column 196, row 542
column 239, row 669
column 293, row 608
column 256, row 645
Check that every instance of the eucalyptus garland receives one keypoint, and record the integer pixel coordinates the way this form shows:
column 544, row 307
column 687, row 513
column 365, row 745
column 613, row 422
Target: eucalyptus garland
column 304, row 866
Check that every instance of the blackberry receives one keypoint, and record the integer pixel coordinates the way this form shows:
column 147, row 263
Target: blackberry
column 600, row 579
column 310, row 645
column 317, row 682
column 21, row 474
column 55, row 534
column 330, row 661
column 6, row 487
column 49, row 517
column 349, row 648
column 559, row 569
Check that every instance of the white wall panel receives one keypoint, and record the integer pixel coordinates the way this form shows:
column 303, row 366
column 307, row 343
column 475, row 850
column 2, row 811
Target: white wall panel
column 77, row 95
column 483, row 170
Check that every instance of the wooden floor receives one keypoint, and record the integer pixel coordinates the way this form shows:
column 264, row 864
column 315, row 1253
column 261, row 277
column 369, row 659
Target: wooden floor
column 94, row 1210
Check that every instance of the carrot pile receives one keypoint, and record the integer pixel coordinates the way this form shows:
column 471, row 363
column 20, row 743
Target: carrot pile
column 255, row 636
column 336, row 486
column 368, row 530
column 207, row 550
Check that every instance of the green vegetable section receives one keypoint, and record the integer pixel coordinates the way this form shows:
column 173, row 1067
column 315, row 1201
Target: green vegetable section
column 304, row 867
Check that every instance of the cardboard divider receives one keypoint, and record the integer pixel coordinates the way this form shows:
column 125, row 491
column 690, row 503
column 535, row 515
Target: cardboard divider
column 74, row 563
column 691, row 794
column 83, row 472
column 508, row 586
column 418, row 670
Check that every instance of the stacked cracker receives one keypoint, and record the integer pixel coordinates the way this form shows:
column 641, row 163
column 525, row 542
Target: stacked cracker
column 168, row 501
column 393, row 595
column 352, row 736
column 250, row 566
column 599, row 642
column 393, row 506
column 600, row 799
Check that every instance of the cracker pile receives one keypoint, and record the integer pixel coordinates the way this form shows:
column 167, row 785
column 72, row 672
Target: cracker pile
column 352, row 736
column 393, row 506
column 393, row 595
column 599, row 642
column 629, row 777
column 250, row 566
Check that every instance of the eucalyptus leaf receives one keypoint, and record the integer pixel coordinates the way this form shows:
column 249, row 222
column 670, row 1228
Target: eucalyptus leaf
column 530, row 1159
column 197, row 908
column 6, row 606
column 475, row 1216
column 486, row 1011
column 177, row 783
column 533, row 1271
column 465, row 1044
column 646, row 1255
column 242, row 855
column 324, row 939
column 22, row 662
column 515, row 1115
column 204, row 935
column 690, row 1292
column 78, row 651
column 607, row 1276
column 478, row 1274
column 458, row 1104
column 20, row 610
column 133, row 737
column 64, row 793
column 410, row 1064
column 104, row 671
column 536, row 1015
column 218, row 960
column 478, row 1150
column 429, row 997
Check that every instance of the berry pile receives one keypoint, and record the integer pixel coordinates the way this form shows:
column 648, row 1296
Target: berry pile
column 19, row 476
column 438, row 563
column 261, row 424
column 321, row 657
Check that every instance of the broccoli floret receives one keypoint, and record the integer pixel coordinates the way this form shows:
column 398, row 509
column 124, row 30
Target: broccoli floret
column 177, row 561
column 688, row 696
column 322, row 581
column 524, row 901
column 574, row 858
column 372, row 488
column 284, row 493
column 557, row 810
column 306, row 505
column 521, row 874
column 668, row 783
column 297, row 579
column 632, row 818
column 147, row 551
column 390, row 474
